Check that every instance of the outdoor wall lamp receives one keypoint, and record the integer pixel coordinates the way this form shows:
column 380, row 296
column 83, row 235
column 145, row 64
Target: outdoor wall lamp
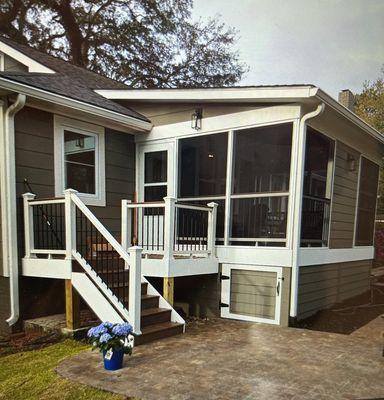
column 351, row 163
column 196, row 119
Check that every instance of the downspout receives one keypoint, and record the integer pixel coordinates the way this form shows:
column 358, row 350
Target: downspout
column 11, row 205
column 298, row 202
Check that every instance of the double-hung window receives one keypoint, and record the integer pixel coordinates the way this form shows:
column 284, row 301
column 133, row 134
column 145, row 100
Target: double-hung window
column 79, row 160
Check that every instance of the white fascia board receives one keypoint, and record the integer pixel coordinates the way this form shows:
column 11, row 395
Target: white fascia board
column 33, row 66
column 40, row 94
column 351, row 116
column 270, row 93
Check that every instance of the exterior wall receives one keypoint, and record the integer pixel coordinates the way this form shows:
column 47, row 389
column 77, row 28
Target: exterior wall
column 163, row 114
column 4, row 306
column 34, row 136
column 344, row 198
column 322, row 286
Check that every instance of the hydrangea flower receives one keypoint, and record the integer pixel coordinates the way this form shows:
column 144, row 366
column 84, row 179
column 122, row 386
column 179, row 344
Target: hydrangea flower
column 122, row 329
column 97, row 331
column 105, row 337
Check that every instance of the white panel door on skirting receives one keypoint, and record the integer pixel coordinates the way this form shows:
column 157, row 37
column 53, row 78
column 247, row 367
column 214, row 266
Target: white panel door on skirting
column 251, row 293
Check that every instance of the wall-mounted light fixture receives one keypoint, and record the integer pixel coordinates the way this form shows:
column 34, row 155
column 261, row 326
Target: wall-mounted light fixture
column 196, row 119
column 351, row 162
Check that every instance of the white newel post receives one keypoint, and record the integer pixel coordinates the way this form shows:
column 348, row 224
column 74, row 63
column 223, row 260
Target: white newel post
column 169, row 226
column 134, row 301
column 126, row 224
column 28, row 224
column 70, row 223
column 211, row 234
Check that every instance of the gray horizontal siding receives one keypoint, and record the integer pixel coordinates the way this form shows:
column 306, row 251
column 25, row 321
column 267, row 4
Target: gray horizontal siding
column 322, row 286
column 344, row 199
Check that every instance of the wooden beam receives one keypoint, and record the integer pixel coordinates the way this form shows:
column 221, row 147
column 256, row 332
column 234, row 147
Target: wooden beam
column 168, row 289
column 72, row 306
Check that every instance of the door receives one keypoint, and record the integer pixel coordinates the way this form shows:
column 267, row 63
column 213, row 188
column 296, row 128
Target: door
column 155, row 181
column 251, row 293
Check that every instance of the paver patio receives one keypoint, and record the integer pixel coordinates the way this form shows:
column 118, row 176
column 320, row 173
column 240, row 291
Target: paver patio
column 223, row 359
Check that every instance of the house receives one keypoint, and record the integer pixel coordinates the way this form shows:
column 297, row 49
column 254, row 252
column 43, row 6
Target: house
column 252, row 203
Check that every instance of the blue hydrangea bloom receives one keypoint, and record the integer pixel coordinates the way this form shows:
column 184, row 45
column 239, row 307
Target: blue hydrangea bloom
column 122, row 329
column 97, row 331
column 105, row 337
column 107, row 324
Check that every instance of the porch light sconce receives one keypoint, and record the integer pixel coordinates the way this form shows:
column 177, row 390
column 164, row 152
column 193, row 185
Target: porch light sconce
column 351, row 163
column 196, row 119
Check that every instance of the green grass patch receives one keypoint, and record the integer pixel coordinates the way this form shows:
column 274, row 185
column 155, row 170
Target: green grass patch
column 31, row 375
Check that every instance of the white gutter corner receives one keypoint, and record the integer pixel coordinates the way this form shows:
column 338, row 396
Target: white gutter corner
column 9, row 202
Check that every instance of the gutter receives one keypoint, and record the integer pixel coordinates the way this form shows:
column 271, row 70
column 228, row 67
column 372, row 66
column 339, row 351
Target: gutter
column 298, row 203
column 40, row 94
column 8, row 181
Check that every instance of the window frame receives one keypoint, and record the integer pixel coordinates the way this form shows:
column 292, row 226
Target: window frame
column 228, row 196
column 357, row 204
column 84, row 128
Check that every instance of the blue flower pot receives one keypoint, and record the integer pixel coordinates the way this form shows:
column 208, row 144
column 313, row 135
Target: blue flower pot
column 116, row 361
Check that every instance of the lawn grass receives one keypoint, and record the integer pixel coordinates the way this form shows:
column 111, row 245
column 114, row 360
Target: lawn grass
column 31, row 375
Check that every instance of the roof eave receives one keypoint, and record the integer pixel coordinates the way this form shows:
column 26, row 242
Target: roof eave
column 124, row 120
column 348, row 114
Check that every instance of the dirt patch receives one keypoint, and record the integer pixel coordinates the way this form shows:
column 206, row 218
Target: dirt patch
column 27, row 341
column 350, row 315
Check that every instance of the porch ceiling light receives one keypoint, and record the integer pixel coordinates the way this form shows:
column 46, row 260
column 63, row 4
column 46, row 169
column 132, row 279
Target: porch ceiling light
column 196, row 119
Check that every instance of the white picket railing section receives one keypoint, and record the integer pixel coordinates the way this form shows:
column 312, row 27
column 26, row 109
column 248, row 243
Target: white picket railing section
column 169, row 228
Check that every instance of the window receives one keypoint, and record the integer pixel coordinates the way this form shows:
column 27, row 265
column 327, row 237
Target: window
column 202, row 173
column 79, row 159
column 260, row 185
column 366, row 206
column 317, row 190
column 155, row 175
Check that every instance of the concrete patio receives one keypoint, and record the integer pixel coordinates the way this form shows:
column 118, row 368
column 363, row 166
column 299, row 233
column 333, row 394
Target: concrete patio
column 223, row 359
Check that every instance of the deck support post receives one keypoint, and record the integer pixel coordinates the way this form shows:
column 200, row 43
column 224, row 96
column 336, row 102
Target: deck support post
column 72, row 306
column 211, row 230
column 126, row 224
column 169, row 227
column 134, row 300
column 168, row 289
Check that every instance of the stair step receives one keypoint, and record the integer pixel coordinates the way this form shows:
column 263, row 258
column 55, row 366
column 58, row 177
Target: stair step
column 159, row 331
column 149, row 301
column 152, row 316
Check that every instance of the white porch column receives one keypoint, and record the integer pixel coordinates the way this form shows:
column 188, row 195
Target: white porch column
column 134, row 301
column 28, row 224
column 126, row 224
column 70, row 223
column 169, row 227
column 211, row 230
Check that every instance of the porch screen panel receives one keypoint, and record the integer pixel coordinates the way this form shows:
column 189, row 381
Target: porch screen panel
column 317, row 190
column 366, row 209
column 202, row 173
column 260, row 185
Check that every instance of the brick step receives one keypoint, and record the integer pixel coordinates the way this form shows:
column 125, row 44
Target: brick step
column 159, row 331
column 156, row 315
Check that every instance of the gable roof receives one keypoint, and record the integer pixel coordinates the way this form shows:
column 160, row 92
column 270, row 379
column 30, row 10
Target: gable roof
column 67, row 80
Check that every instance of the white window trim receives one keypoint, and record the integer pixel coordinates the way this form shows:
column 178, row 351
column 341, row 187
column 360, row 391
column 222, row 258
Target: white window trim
column 84, row 128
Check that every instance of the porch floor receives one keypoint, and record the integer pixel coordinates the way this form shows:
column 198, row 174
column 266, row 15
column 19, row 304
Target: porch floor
column 224, row 359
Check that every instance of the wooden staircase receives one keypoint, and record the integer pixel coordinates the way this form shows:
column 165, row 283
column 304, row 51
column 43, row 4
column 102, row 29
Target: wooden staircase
column 155, row 321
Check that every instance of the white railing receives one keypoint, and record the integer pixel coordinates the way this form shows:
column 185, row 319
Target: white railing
column 169, row 228
column 51, row 229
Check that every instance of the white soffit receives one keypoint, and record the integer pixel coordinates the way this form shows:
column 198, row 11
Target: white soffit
column 33, row 66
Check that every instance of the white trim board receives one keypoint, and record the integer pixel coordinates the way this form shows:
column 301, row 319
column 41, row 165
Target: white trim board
column 319, row 256
column 47, row 268
column 84, row 128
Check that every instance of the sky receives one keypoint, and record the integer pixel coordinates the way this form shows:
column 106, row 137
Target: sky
column 334, row 44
